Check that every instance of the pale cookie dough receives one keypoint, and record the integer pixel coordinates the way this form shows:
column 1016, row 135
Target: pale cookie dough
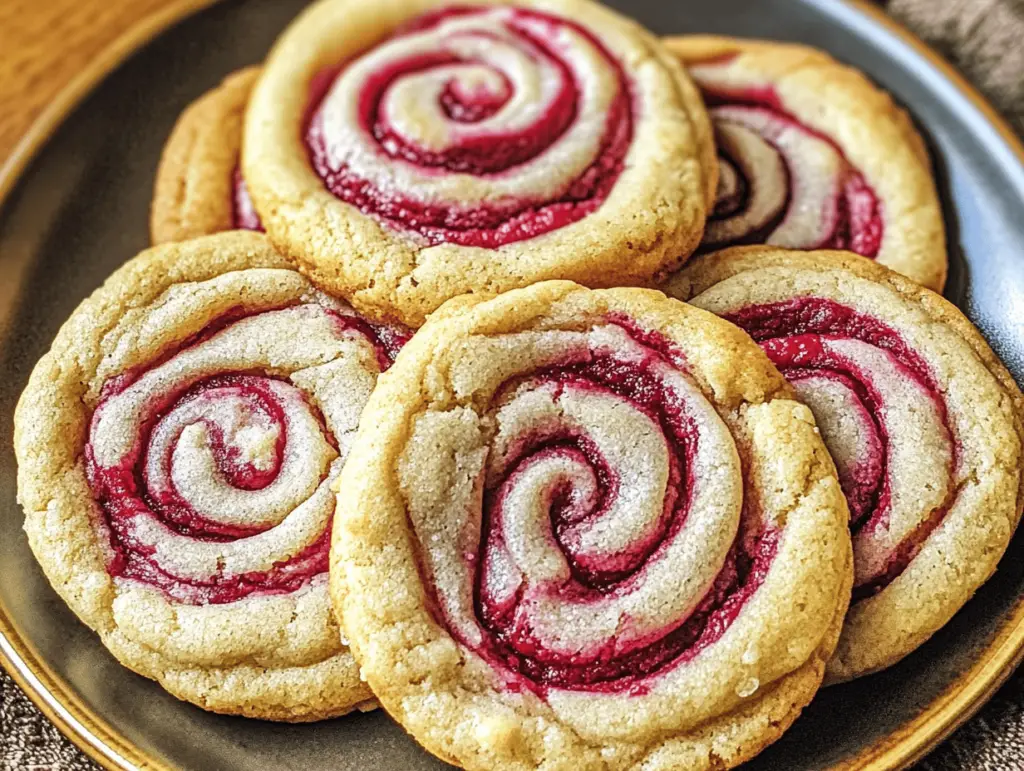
column 923, row 421
column 175, row 453
column 404, row 152
column 199, row 188
column 589, row 530
column 813, row 156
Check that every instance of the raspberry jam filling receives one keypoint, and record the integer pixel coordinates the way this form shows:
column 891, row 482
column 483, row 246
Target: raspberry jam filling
column 475, row 126
column 214, row 485
column 567, row 492
column 882, row 416
column 781, row 182
column 243, row 213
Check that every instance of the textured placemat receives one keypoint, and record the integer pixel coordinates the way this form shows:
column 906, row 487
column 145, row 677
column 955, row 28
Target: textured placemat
column 984, row 39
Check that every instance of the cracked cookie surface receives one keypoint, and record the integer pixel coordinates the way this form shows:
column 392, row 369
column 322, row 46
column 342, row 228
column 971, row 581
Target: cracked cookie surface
column 589, row 529
column 175, row 454
column 923, row 421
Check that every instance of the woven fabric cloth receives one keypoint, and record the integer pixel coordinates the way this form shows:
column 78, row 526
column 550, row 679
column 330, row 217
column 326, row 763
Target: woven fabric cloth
column 981, row 37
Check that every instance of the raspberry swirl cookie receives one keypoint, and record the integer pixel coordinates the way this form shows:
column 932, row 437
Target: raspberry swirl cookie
column 407, row 151
column 199, row 187
column 176, row 448
column 813, row 156
column 923, row 422
column 589, row 529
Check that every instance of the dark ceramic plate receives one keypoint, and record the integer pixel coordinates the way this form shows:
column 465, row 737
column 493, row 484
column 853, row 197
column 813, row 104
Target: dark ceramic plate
column 79, row 209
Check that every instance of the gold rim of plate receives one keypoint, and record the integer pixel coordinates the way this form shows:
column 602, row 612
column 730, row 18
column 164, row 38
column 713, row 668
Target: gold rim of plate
column 104, row 744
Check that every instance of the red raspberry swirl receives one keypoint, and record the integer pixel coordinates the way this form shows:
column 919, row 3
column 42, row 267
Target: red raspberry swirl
column 476, row 126
column 882, row 416
column 780, row 181
column 607, row 552
column 212, row 466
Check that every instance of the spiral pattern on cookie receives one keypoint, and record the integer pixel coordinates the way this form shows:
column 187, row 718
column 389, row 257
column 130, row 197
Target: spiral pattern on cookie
column 475, row 126
column 613, row 541
column 780, row 181
column 880, row 411
column 212, row 466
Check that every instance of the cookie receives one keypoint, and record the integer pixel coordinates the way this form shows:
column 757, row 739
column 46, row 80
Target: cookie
column 199, row 188
column 923, row 421
column 814, row 156
column 175, row 453
column 408, row 151
column 589, row 529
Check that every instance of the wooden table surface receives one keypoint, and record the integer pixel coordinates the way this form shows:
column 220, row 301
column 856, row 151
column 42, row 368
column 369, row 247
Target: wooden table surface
column 44, row 44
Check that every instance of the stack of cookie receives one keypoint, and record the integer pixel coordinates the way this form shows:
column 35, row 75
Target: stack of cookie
column 423, row 403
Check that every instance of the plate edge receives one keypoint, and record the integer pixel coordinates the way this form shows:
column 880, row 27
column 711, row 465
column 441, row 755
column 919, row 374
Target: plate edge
column 94, row 736
column 966, row 695
column 81, row 85
column 111, row 750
